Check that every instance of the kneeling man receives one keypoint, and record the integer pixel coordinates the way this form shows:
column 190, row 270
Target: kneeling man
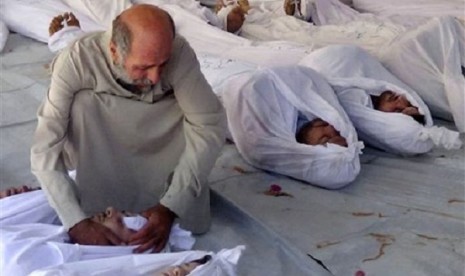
column 130, row 110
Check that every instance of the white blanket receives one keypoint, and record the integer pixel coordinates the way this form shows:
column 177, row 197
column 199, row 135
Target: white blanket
column 355, row 75
column 428, row 57
column 31, row 237
column 412, row 12
column 32, row 18
column 262, row 110
column 223, row 263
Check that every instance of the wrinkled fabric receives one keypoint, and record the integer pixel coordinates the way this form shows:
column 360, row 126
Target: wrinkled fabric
column 262, row 109
column 223, row 263
column 355, row 75
column 17, row 16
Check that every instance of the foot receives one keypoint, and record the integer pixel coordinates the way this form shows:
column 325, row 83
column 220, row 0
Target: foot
column 59, row 22
column 236, row 17
column 290, row 7
column 235, row 20
column 14, row 191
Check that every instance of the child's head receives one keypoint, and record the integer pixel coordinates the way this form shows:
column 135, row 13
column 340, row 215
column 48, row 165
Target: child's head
column 319, row 132
column 389, row 101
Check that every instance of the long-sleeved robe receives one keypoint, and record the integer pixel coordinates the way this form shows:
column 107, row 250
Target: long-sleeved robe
column 130, row 151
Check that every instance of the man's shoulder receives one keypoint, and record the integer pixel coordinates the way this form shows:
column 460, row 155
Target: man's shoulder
column 85, row 50
column 179, row 43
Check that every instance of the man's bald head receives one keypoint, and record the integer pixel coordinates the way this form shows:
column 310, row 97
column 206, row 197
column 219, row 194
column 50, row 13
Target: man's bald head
column 141, row 44
column 138, row 22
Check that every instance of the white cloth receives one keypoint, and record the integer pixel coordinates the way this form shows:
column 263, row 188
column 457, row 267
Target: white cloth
column 262, row 110
column 64, row 38
column 412, row 12
column 428, row 57
column 30, row 207
column 32, row 18
column 223, row 263
column 355, row 75
column 31, row 237
column 102, row 11
column 4, row 32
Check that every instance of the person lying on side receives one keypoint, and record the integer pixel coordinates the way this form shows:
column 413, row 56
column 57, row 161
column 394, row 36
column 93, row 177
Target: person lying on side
column 288, row 120
column 386, row 112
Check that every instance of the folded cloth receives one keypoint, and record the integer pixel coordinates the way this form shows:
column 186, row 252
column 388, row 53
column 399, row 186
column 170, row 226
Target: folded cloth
column 64, row 37
column 355, row 76
column 263, row 108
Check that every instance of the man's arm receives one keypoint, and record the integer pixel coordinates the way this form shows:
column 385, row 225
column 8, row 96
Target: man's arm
column 47, row 148
column 204, row 131
column 47, row 153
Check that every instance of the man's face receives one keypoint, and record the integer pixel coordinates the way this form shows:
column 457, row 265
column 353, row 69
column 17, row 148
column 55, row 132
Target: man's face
column 113, row 220
column 321, row 133
column 392, row 102
column 144, row 63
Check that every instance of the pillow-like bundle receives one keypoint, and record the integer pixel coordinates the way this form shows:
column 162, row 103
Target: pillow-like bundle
column 355, row 75
column 263, row 108
column 32, row 18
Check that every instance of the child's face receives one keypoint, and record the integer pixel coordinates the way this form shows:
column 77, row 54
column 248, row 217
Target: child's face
column 321, row 133
column 392, row 102
column 113, row 220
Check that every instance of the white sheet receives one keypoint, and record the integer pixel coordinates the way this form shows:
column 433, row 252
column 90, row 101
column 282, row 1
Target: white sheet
column 428, row 58
column 355, row 75
column 412, row 12
column 31, row 237
column 262, row 110
column 4, row 32
column 32, row 18
column 222, row 263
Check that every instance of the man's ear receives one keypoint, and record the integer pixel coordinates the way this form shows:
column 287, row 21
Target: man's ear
column 113, row 52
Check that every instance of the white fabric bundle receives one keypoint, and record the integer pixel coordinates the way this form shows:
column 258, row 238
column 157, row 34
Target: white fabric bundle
column 355, row 75
column 4, row 32
column 262, row 110
column 64, row 38
column 412, row 12
column 32, row 18
column 29, row 207
column 31, row 237
column 223, row 263
column 429, row 59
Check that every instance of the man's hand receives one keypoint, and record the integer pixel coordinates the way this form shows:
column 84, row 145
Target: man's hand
column 89, row 232
column 156, row 232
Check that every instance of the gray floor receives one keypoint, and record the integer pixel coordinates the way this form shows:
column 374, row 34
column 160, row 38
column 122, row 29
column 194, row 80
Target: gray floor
column 402, row 216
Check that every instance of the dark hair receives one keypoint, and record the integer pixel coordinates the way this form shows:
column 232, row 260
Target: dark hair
column 375, row 100
column 419, row 118
column 300, row 136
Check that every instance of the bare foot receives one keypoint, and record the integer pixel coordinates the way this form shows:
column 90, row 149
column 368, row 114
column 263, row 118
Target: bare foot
column 14, row 191
column 235, row 20
column 290, row 6
column 57, row 22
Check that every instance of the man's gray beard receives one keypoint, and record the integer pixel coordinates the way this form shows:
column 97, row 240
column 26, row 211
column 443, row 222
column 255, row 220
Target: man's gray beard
column 123, row 76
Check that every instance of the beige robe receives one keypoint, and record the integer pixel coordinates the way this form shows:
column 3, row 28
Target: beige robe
column 130, row 151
